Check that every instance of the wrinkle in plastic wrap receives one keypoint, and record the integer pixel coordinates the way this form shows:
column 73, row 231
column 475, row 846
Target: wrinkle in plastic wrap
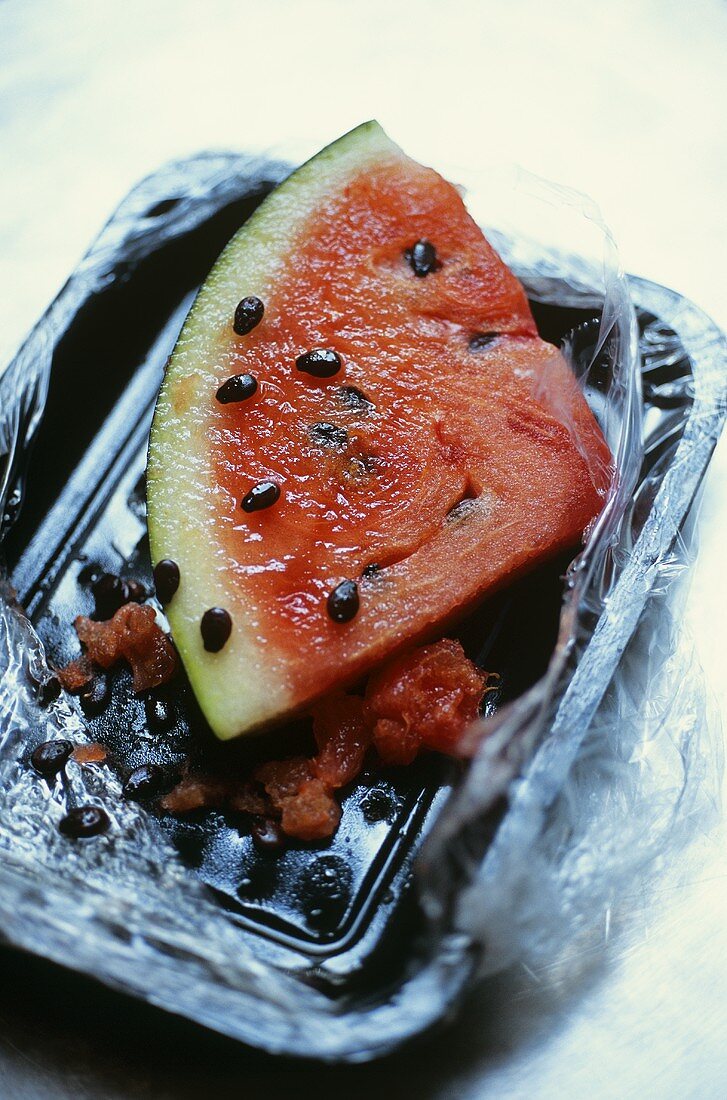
column 607, row 767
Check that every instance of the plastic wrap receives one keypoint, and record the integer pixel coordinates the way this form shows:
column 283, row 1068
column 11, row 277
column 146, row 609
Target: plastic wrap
column 585, row 785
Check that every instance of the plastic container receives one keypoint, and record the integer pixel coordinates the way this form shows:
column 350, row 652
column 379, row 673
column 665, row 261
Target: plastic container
column 438, row 872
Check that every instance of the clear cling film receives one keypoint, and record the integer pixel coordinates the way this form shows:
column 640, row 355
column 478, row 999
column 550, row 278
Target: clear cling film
column 596, row 769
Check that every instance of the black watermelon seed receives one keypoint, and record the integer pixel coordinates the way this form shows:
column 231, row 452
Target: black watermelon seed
column 166, row 579
column 145, row 782
column 329, row 435
column 84, row 821
column 237, row 388
column 248, row 315
column 355, row 399
column 325, row 891
column 480, row 340
column 267, row 835
column 51, row 757
column 216, row 627
column 109, row 593
column 320, row 362
column 159, row 713
column 422, row 258
column 343, row 602
column 95, row 696
column 378, row 805
column 262, row 495
column 371, row 570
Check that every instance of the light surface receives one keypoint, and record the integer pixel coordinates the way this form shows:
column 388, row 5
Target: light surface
column 623, row 100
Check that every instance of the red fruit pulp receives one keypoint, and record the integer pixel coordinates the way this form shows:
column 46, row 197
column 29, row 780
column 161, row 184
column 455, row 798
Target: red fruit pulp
column 502, row 435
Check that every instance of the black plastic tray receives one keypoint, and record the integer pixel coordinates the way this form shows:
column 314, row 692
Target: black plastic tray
column 335, row 908
column 342, row 917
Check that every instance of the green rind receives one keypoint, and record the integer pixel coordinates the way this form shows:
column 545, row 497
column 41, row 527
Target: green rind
column 234, row 688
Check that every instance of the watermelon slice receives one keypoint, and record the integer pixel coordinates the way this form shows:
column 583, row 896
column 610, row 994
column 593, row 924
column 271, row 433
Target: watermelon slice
column 359, row 434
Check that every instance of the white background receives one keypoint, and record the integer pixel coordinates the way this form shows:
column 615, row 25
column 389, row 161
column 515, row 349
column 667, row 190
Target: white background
column 626, row 101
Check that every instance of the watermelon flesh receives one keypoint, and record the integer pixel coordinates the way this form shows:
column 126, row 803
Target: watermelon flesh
column 451, row 452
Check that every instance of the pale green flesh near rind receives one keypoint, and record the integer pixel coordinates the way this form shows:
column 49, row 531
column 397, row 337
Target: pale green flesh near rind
column 234, row 687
